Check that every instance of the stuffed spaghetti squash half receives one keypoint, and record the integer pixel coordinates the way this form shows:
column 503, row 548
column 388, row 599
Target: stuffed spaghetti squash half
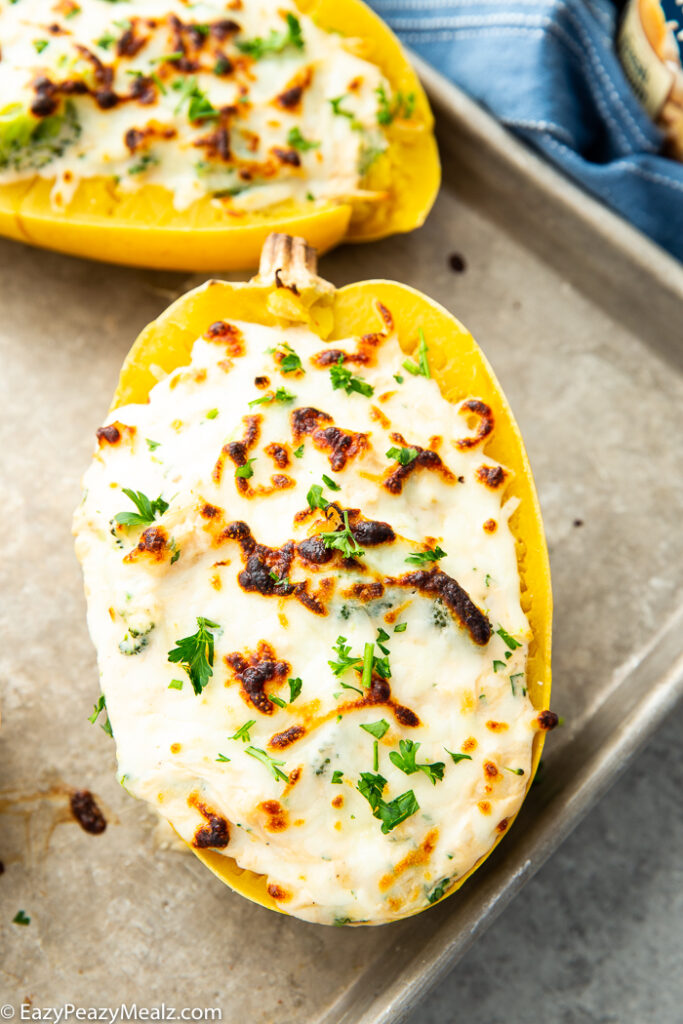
column 179, row 135
column 318, row 586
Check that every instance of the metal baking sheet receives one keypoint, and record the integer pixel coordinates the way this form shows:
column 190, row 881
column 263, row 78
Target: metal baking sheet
column 581, row 318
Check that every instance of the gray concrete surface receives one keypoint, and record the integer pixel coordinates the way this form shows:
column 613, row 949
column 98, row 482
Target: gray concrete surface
column 597, row 936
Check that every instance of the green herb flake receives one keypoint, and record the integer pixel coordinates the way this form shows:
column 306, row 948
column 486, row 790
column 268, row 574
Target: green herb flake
column 243, row 732
column 508, row 640
column 342, row 540
column 40, row 44
column 337, row 778
column 277, row 700
column 211, row 414
column 315, row 497
column 342, row 377
column 98, row 709
column 222, row 757
column 296, row 140
column 147, row 510
column 376, row 729
column 498, row 666
column 270, row 763
column 439, row 890
column 21, row 918
column 299, row 452
column 406, row 762
column 421, row 369
column 295, row 686
column 329, row 482
column 401, row 627
column 195, row 654
column 275, row 42
column 245, row 472
column 175, row 684
column 152, row 445
column 457, row 758
column 402, row 108
column 421, row 557
column 404, row 456
column 515, row 771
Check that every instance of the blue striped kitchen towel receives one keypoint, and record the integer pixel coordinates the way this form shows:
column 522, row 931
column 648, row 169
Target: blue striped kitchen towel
column 548, row 70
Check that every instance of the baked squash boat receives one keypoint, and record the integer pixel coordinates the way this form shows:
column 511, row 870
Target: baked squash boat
column 318, row 586
column 180, row 135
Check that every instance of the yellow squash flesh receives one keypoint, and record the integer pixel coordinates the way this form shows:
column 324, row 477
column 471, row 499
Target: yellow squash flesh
column 144, row 229
column 460, row 369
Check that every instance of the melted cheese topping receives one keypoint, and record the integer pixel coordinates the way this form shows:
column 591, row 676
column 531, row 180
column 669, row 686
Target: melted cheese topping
column 282, row 796
column 250, row 102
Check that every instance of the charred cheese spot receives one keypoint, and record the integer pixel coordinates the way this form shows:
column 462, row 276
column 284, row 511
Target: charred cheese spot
column 469, row 745
column 482, row 412
column 435, row 583
column 276, row 816
column 339, row 445
column 426, row 459
column 278, row 454
column 152, row 546
column 215, row 833
column 338, row 801
column 416, row 858
column 279, row 894
column 282, row 740
column 490, row 770
column 113, row 433
column 547, row 720
column 490, row 526
column 484, row 806
column 175, row 748
column 497, row 726
column 502, row 825
column 491, row 476
column 229, row 336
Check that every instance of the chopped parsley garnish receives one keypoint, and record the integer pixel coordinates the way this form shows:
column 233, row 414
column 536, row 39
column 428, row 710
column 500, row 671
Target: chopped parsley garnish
column 195, row 654
column 402, row 107
column 290, row 361
column 497, row 665
column 420, row 557
column 487, row 580
column 296, row 140
column 299, row 452
column 342, row 377
column 277, row 700
column 245, row 471
column 337, row 778
column 343, row 540
column 281, row 395
column 175, row 684
column 211, row 414
column 398, row 378
column 277, row 579
column 269, row 762
column 422, row 367
column 200, row 107
column 295, row 686
column 401, row 627
column 40, row 44
column 21, row 918
column 508, row 640
column 376, row 729
column 178, row 55
column 342, row 649
column 366, row 665
column 439, row 890
column 147, row 510
column 337, row 109
column 329, row 482
column 98, row 708
column 315, row 497
column 106, row 40
column 243, row 732
column 458, row 757
column 390, row 813
column 513, row 682
column 515, row 771
column 275, row 42
column 152, row 445
column 146, row 161
column 405, row 761
column 404, row 456
column 222, row 757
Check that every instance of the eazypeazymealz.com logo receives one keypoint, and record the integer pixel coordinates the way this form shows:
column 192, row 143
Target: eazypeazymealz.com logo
column 110, row 1014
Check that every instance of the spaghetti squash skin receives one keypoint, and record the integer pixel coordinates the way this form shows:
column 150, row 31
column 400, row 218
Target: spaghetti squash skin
column 100, row 218
column 285, row 299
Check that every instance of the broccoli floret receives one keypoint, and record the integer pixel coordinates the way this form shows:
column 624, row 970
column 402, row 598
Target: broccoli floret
column 28, row 142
